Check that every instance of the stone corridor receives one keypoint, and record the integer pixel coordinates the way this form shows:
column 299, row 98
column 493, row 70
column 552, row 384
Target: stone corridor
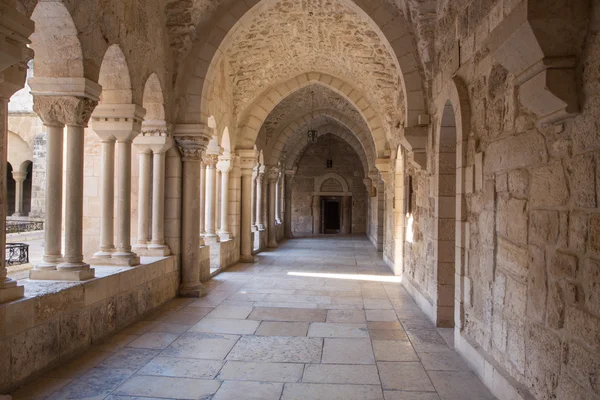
column 318, row 318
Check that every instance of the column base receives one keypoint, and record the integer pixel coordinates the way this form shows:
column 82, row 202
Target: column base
column 250, row 259
column 153, row 252
column 224, row 236
column 195, row 291
column 103, row 254
column 208, row 240
column 61, row 274
column 253, row 228
column 11, row 291
column 17, row 214
column 115, row 261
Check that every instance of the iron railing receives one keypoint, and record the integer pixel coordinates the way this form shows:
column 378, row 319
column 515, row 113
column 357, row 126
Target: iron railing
column 17, row 253
column 24, row 226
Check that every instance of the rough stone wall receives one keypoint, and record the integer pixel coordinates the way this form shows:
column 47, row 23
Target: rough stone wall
column 312, row 166
column 533, row 220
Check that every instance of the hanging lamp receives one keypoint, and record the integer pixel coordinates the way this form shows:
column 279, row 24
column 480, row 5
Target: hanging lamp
column 312, row 134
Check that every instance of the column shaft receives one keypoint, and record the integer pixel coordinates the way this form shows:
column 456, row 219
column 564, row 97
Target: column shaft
column 54, row 194
column 272, row 201
column 73, row 257
column 211, row 180
column 18, row 193
column 217, row 201
column 143, row 236
column 347, row 215
column 253, row 201
column 190, row 240
column 158, row 202
column 259, row 201
column 124, row 201
column 8, row 287
column 202, row 196
column 288, row 208
column 225, row 203
column 246, row 218
column 107, row 199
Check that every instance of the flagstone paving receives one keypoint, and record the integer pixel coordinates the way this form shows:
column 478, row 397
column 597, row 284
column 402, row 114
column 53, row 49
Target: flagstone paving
column 314, row 319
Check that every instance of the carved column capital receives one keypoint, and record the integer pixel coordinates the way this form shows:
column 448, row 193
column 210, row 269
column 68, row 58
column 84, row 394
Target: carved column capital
column 210, row 160
column 64, row 110
column 248, row 159
column 273, row 173
column 225, row 162
column 19, row 176
column 191, row 140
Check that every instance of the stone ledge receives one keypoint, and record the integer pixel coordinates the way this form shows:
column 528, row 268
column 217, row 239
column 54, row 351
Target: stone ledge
column 57, row 319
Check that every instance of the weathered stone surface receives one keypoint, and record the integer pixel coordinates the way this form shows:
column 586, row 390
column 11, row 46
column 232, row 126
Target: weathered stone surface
column 582, row 180
column 564, row 265
column 513, row 220
column 515, row 152
column 549, row 186
column 536, row 284
column 543, row 227
column 542, row 361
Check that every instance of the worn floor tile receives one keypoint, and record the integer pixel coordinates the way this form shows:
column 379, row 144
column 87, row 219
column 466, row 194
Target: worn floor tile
column 43, row 388
column 94, row 385
column 408, row 376
column 249, row 391
column 288, row 314
column 402, row 395
column 346, row 316
column 428, row 341
column 282, row 329
column 311, row 391
column 330, row 330
column 221, row 325
column 261, row 372
column 381, row 315
column 443, row 361
column 277, row 349
column 230, row 312
column 129, row 359
column 182, row 368
column 394, row 350
column 344, row 374
column 153, row 340
column 201, row 345
column 455, row 385
column 348, row 351
column 165, row 387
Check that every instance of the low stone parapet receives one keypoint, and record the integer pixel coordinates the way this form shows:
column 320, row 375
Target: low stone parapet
column 57, row 320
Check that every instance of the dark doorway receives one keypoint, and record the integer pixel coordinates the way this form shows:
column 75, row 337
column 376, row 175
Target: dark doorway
column 331, row 215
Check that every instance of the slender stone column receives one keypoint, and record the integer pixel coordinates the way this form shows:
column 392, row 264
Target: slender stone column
column 54, row 192
column 14, row 54
column 202, row 196
column 273, row 175
column 253, row 200
column 217, row 200
column 224, row 166
column 211, row 180
column 158, row 201
column 156, row 140
column 191, row 140
column 143, row 234
column 260, row 177
column 107, row 199
column 78, row 111
column 124, row 203
column 316, row 207
column 19, row 178
column 247, row 163
column 120, row 122
column 278, row 200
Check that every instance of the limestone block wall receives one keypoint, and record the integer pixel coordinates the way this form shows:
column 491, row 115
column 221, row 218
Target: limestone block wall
column 527, row 296
column 311, row 166
column 58, row 320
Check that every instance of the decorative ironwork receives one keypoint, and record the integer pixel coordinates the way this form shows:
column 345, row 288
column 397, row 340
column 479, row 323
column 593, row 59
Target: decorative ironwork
column 17, row 253
column 24, row 226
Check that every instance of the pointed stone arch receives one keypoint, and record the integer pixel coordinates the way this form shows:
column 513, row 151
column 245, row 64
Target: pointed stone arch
column 199, row 70
column 252, row 119
column 58, row 51
column 115, row 78
column 153, row 99
column 332, row 175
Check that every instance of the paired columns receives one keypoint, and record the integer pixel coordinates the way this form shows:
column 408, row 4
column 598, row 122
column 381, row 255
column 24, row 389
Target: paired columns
column 260, row 178
column 72, row 110
column 152, row 146
column 14, row 55
column 120, row 124
column 210, row 234
column 192, row 141
column 248, row 160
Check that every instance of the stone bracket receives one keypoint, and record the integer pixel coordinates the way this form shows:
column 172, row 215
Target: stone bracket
column 192, row 139
column 415, row 140
column 118, row 121
column 539, row 43
column 248, row 158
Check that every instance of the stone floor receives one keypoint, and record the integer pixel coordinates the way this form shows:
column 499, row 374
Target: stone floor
column 315, row 319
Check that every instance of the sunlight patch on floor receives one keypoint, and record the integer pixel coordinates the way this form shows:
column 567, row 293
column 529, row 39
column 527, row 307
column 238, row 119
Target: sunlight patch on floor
column 352, row 277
